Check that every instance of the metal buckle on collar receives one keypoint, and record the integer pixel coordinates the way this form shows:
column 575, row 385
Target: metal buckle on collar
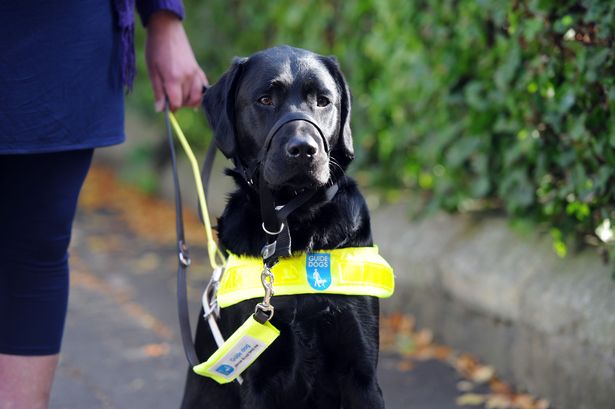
column 272, row 233
column 269, row 250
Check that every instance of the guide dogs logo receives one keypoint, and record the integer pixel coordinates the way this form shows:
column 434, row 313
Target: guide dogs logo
column 318, row 270
column 225, row 369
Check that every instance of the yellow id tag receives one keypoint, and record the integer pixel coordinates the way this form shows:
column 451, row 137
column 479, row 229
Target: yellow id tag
column 239, row 351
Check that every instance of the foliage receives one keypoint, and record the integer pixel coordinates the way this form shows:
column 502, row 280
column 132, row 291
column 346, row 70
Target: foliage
column 476, row 104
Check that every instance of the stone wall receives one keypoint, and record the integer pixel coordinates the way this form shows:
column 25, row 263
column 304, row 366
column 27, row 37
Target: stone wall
column 546, row 324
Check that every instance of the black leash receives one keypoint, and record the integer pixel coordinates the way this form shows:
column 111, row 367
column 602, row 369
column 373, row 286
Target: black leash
column 183, row 255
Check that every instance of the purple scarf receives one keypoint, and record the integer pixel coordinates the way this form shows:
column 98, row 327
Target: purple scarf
column 126, row 23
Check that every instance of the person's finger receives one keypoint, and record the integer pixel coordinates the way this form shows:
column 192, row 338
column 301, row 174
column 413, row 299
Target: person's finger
column 186, row 89
column 196, row 92
column 174, row 93
column 204, row 78
column 158, row 89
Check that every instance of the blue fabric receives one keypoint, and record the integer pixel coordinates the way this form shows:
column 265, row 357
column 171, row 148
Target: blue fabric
column 39, row 197
column 60, row 76
column 148, row 7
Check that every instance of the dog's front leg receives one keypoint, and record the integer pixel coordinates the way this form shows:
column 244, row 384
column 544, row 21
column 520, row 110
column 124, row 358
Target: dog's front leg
column 203, row 393
column 358, row 352
column 358, row 395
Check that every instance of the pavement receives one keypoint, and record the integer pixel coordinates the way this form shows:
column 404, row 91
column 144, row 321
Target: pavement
column 121, row 347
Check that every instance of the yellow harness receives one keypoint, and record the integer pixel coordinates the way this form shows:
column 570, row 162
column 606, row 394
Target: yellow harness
column 349, row 271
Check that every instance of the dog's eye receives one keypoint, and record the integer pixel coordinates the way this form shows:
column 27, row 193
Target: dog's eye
column 265, row 100
column 322, row 101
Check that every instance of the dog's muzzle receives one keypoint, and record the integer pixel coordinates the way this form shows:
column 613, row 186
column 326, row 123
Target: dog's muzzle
column 285, row 119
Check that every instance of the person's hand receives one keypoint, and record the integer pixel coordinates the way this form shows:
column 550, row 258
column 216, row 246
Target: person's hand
column 172, row 68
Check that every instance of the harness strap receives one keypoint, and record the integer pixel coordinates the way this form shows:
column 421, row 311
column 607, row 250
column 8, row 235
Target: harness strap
column 275, row 222
column 290, row 117
column 348, row 271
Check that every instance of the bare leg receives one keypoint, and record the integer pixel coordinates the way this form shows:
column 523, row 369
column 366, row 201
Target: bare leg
column 25, row 381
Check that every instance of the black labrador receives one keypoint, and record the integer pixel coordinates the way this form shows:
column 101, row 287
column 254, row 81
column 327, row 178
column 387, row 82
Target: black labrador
column 327, row 353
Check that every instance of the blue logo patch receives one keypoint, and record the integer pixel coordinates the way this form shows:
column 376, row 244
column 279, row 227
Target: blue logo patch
column 225, row 369
column 318, row 270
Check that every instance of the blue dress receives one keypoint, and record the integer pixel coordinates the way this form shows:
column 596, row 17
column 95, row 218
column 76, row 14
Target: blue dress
column 60, row 76
column 63, row 64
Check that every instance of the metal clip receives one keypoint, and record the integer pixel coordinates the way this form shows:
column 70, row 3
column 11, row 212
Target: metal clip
column 183, row 254
column 210, row 295
column 263, row 313
column 268, row 250
column 267, row 279
column 264, row 310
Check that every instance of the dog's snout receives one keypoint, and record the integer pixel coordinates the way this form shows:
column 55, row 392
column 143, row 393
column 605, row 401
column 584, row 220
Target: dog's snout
column 301, row 147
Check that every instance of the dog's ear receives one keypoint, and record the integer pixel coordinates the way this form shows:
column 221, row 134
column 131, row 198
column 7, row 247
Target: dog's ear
column 219, row 106
column 342, row 150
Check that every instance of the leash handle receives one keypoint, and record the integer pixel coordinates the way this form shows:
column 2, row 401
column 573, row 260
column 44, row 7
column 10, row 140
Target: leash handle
column 216, row 258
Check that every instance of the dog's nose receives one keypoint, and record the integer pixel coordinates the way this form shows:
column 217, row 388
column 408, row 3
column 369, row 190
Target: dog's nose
column 301, row 147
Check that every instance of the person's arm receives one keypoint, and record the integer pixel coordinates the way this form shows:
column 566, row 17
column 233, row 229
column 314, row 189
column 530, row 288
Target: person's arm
column 172, row 67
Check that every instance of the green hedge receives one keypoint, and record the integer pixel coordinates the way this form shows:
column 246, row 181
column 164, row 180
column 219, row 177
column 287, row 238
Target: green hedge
column 474, row 104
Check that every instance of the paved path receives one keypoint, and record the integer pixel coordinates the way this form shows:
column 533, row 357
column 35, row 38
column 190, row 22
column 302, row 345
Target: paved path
column 121, row 348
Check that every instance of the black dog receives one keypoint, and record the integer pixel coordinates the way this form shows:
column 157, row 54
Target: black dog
column 327, row 352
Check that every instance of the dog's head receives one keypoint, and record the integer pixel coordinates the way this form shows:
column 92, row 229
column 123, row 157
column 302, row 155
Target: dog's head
column 259, row 91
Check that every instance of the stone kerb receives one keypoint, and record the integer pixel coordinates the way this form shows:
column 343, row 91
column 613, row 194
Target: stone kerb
column 547, row 324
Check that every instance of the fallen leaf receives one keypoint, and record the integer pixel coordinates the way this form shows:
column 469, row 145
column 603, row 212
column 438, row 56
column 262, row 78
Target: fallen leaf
column 398, row 334
column 392, row 320
column 424, row 353
column 442, row 353
column 471, row 399
column 498, row 402
column 466, row 364
column 148, row 262
column 543, row 404
column 497, row 386
column 424, row 337
column 482, row 374
column 465, row 386
column 524, row 401
column 405, row 365
column 406, row 323
column 156, row 350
